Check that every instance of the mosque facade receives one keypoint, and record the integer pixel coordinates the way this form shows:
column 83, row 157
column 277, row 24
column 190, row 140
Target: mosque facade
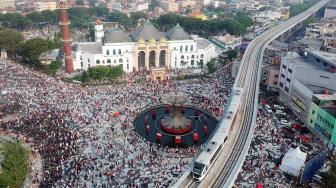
column 146, row 48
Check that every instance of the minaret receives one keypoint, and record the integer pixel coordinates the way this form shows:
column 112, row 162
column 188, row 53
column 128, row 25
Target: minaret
column 66, row 36
column 99, row 30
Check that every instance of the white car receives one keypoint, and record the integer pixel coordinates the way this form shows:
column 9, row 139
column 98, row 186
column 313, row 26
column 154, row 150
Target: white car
column 285, row 123
column 280, row 112
column 268, row 108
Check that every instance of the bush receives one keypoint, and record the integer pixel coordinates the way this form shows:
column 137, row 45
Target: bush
column 105, row 72
column 15, row 164
column 53, row 67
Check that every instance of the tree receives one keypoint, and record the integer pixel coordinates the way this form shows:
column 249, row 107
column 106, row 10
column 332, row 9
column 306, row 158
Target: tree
column 153, row 4
column 10, row 40
column 105, row 72
column 31, row 50
column 232, row 54
column 329, row 178
column 14, row 164
column 135, row 16
column 80, row 2
column 53, row 67
column 211, row 66
column 92, row 3
column 84, row 77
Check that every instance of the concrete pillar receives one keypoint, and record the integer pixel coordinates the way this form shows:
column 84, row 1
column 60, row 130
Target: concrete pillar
column 157, row 58
column 135, row 64
column 147, row 60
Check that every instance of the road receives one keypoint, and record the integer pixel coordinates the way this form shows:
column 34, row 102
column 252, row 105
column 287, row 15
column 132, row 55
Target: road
column 248, row 78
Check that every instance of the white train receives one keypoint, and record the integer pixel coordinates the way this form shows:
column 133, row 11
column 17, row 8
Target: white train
column 209, row 154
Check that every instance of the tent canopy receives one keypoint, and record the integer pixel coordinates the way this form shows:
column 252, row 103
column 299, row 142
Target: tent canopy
column 293, row 161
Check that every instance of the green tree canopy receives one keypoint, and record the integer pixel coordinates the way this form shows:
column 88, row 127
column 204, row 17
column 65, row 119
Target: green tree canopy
column 105, row 72
column 14, row 165
column 53, row 67
column 80, row 2
column 31, row 50
column 10, row 40
column 153, row 4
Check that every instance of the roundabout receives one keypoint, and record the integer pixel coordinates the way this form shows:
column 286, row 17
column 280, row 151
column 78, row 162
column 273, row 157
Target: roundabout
column 174, row 123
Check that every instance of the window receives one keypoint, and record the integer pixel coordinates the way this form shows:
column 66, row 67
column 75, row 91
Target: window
column 109, row 61
column 313, row 112
column 288, row 80
column 89, row 65
column 120, row 60
column 182, row 56
column 192, row 62
column 81, row 64
column 311, row 121
column 286, row 89
column 282, row 75
column 191, row 48
column 115, row 61
column 127, row 66
column 192, row 56
column 290, row 70
column 107, row 52
column 114, row 52
column 97, row 61
column 284, row 66
column 88, row 60
column 281, row 84
column 325, row 64
column 275, row 83
column 81, row 58
column 119, row 51
column 276, row 76
column 186, row 48
column 202, row 55
column 181, row 48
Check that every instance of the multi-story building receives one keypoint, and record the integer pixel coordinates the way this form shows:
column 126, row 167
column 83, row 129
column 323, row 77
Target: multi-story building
column 330, row 11
column 322, row 116
column 41, row 6
column 230, row 41
column 5, row 4
column 169, row 6
column 302, row 77
column 145, row 48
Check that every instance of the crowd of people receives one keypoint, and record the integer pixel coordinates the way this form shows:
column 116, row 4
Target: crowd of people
column 45, row 32
column 269, row 144
column 83, row 145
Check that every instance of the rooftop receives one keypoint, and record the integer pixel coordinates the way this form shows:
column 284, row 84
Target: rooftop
column 90, row 47
column 116, row 35
column 146, row 31
column 177, row 33
column 325, row 56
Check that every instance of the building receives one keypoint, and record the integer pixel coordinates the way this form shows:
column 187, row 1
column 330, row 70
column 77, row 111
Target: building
column 198, row 15
column 302, row 77
column 330, row 11
column 7, row 4
column 49, row 56
column 41, row 6
column 322, row 116
column 145, row 48
column 229, row 41
column 169, row 6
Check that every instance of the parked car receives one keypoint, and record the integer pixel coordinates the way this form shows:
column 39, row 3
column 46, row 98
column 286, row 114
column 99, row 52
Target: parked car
column 285, row 123
column 268, row 108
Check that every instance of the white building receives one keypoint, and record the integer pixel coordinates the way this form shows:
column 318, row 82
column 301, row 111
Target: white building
column 7, row 4
column 144, row 48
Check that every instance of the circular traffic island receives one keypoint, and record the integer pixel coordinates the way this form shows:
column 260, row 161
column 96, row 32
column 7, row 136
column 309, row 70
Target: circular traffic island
column 175, row 124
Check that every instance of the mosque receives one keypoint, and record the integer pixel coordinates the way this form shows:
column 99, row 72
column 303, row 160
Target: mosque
column 146, row 48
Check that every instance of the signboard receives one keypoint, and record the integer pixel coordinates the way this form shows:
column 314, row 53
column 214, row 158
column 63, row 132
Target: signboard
column 312, row 166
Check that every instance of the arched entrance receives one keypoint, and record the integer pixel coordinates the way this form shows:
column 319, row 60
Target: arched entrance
column 152, row 58
column 162, row 58
column 141, row 59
